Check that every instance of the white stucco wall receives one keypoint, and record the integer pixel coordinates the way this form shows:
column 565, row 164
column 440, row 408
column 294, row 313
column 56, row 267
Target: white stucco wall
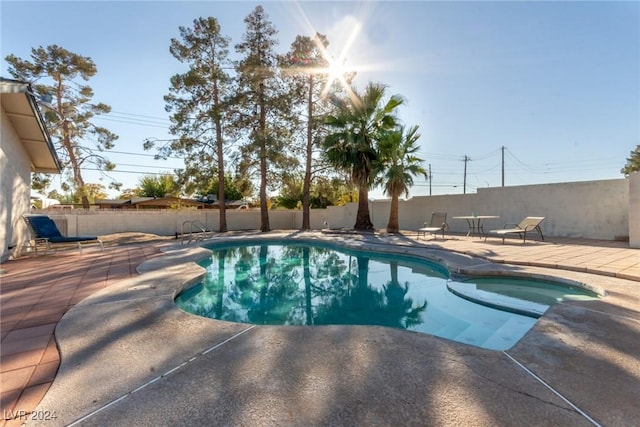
column 634, row 210
column 15, row 186
column 593, row 209
column 590, row 209
column 169, row 222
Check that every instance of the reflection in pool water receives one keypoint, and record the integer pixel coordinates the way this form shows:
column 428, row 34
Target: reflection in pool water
column 279, row 283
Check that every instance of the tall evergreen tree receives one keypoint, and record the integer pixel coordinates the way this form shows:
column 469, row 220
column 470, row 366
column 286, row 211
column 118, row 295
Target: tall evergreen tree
column 305, row 66
column 264, row 107
column 633, row 162
column 79, row 142
column 198, row 103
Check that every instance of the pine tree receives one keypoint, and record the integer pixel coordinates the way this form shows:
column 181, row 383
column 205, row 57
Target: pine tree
column 198, row 103
column 304, row 68
column 264, row 106
column 633, row 162
column 60, row 73
column 307, row 69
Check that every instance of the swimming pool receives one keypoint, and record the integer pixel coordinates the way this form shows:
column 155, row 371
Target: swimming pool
column 295, row 283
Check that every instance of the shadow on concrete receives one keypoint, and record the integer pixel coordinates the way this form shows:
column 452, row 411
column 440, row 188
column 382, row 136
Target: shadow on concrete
column 336, row 375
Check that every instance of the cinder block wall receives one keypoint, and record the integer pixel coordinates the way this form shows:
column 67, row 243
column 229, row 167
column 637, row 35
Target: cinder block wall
column 593, row 209
column 590, row 209
column 634, row 210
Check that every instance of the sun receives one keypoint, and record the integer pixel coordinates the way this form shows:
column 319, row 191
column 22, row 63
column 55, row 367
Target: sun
column 336, row 71
column 344, row 34
column 344, row 29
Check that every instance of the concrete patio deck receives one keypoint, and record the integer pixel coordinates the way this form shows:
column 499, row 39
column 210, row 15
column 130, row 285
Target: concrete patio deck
column 128, row 337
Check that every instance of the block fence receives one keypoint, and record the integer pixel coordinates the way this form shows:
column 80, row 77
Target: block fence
column 607, row 210
column 594, row 209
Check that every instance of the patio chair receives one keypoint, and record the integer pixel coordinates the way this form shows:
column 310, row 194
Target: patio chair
column 437, row 224
column 527, row 225
column 45, row 233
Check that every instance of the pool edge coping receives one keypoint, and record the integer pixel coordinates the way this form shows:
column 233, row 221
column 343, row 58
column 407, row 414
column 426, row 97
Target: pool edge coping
column 195, row 252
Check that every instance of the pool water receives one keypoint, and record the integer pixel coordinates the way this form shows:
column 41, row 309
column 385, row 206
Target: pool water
column 279, row 283
column 520, row 295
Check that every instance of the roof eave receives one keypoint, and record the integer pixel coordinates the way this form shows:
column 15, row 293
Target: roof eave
column 15, row 86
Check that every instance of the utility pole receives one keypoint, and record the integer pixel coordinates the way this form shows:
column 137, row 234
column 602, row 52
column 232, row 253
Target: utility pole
column 430, row 178
column 502, row 165
column 464, row 185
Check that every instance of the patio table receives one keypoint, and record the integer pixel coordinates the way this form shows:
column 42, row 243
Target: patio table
column 476, row 223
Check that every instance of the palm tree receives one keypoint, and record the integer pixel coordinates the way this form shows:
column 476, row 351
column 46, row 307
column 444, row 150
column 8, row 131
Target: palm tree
column 398, row 165
column 359, row 123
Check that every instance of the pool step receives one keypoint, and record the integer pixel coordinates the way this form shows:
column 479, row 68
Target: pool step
column 503, row 337
column 496, row 337
column 475, row 335
column 469, row 291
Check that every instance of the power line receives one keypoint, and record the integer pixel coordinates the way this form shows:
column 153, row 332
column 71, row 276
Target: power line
column 566, row 166
column 530, row 169
column 113, row 112
column 144, row 166
column 140, row 115
column 441, row 156
column 486, row 156
column 598, row 160
column 132, row 122
column 133, row 118
column 124, row 171
column 141, row 154
column 510, row 163
column 489, row 169
column 442, row 185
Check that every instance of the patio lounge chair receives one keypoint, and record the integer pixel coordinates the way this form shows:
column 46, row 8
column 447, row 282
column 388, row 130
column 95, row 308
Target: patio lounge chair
column 45, row 233
column 437, row 224
column 527, row 225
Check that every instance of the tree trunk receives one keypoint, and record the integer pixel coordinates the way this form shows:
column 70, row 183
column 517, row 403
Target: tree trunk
column 363, row 220
column 306, row 189
column 264, row 210
column 218, row 306
column 363, row 273
column 392, row 225
column 307, row 286
column 85, row 202
column 78, row 182
column 394, row 271
column 220, row 153
column 221, row 196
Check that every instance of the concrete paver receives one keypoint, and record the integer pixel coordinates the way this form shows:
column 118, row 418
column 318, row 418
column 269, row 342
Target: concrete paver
column 323, row 375
column 35, row 292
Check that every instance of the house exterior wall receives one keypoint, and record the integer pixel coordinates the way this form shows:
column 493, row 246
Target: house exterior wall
column 15, row 187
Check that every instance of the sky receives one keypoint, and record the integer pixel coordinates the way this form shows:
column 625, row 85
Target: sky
column 553, row 87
